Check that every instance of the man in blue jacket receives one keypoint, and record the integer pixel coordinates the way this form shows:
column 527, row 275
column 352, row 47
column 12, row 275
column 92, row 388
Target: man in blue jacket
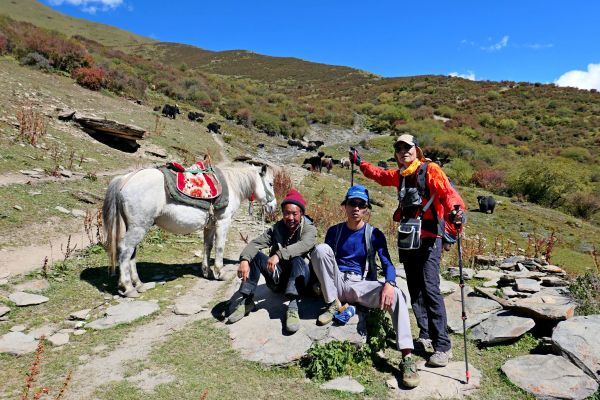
column 345, row 266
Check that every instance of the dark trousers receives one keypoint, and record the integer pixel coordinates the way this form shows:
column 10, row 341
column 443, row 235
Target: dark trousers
column 422, row 276
column 290, row 276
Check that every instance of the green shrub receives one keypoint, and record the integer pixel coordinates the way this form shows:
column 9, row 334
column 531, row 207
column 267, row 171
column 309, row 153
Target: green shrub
column 583, row 205
column 327, row 361
column 586, row 291
column 580, row 154
column 445, row 111
column 486, row 120
column 460, row 171
column 493, row 95
column 507, row 125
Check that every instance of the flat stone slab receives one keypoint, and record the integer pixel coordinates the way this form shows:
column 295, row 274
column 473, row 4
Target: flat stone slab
column 467, row 273
column 501, row 327
column 477, row 309
column 4, row 310
column 577, row 339
column 528, row 285
column 552, row 304
column 188, row 306
column 17, row 343
column 441, row 383
column 23, row 299
column 488, row 274
column 447, row 287
column 261, row 336
column 35, row 286
column 80, row 315
column 549, row 377
column 59, row 339
column 45, row 330
column 124, row 313
column 343, row 384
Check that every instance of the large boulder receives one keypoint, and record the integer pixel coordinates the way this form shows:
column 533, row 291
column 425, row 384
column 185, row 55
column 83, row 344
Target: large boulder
column 549, row 377
column 577, row 339
column 477, row 309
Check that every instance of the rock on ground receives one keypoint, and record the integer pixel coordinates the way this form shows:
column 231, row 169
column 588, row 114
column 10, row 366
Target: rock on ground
column 343, row 384
column 549, row 377
column 124, row 313
column 36, row 285
column 477, row 309
column 261, row 336
column 4, row 310
column 577, row 339
column 23, row 299
column 441, row 383
column 59, row 339
column 500, row 328
column 17, row 343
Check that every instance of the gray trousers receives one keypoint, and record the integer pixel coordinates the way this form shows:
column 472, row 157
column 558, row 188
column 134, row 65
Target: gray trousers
column 349, row 288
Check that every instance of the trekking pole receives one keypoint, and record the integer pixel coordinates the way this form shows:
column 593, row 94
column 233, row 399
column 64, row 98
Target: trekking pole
column 462, row 294
column 352, row 167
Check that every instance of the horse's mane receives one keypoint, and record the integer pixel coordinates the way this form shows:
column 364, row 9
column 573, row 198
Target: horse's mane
column 240, row 178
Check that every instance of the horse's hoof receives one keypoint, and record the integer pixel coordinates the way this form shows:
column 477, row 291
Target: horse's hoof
column 205, row 272
column 214, row 274
column 131, row 293
column 141, row 288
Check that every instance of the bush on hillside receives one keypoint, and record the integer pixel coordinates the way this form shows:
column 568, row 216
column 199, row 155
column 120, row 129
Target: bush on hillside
column 5, row 46
column 583, row 205
column 36, row 60
column 460, row 171
column 490, row 179
column 543, row 181
column 91, row 78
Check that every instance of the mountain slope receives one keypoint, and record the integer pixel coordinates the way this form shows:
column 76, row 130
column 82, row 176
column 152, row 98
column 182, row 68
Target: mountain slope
column 43, row 16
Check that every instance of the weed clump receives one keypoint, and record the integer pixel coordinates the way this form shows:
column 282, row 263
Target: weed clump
column 586, row 289
column 32, row 124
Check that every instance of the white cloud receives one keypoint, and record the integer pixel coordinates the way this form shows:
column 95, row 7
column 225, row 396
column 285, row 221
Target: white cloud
column 589, row 79
column 470, row 75
column 90, row 6
column 497, row 46
column 538, row 46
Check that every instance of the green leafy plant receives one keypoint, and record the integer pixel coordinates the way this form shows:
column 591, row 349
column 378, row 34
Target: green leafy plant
column 586, row 289
column 326, row 361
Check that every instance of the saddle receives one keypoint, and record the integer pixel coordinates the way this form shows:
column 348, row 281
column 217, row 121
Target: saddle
column 198, row 182
column 200, row 185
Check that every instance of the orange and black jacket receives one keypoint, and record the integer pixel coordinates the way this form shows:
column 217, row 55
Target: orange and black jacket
column 446, row 197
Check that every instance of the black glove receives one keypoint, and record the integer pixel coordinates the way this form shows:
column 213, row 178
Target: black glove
column 354, row 156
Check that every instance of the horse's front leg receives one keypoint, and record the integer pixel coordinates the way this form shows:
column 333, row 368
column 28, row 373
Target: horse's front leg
column 220, row 238
column 209, row 237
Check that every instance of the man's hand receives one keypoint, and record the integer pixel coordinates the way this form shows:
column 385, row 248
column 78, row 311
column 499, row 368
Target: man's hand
column 387, row 297
column 243, row 270
column 354, row 156
column 272, row 262
column 447, row 246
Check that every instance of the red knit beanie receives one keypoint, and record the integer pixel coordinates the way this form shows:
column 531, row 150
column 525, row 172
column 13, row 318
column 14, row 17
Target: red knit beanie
column 294, row 197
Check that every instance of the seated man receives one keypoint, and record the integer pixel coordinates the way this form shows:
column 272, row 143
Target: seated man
column 285, row 269
column 347, row 272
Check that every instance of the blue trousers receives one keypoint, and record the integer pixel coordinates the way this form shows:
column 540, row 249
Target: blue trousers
column 290, row 276
column 422, row 267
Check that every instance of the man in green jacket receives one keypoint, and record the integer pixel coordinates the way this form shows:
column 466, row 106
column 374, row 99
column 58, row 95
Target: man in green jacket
column 285, row 269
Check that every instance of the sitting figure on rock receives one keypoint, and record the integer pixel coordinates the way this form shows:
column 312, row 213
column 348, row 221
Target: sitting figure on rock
column 346, row 269
column 285, row 268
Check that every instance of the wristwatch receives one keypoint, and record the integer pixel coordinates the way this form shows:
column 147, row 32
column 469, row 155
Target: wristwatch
column 393, row 283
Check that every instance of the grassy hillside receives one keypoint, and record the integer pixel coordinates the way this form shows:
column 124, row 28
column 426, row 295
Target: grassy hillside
column 43, row 16
column 535, row 142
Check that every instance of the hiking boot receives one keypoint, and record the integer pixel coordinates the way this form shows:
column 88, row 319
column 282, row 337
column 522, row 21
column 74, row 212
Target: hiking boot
column 439, row 359
column 410, row 375
column 327, row 316
column 241, row 310
column 292, row 320
column 425, row 345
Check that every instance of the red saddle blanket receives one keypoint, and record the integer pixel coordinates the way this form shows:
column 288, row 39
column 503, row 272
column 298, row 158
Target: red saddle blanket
column 198, row 182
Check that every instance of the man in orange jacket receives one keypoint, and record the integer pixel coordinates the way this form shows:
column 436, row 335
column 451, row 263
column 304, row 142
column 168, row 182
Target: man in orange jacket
column 439, row 229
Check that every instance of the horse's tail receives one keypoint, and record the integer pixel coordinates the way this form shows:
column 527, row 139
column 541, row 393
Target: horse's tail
column 113, row 221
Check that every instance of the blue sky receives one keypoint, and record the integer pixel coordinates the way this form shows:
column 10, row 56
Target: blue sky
column 535, row 41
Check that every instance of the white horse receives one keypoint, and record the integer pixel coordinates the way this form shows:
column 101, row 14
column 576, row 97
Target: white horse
column 138, row 200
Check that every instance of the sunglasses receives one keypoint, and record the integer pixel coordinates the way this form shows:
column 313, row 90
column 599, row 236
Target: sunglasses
column 357, row 203
column 402, row 147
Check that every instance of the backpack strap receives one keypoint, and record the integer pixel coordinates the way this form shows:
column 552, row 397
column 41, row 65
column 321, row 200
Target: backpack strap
column 370, row 251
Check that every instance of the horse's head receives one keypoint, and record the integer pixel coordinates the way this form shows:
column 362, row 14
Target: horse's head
column 264, row 191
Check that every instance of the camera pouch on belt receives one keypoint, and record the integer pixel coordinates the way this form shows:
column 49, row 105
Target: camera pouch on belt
column 409, row 234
